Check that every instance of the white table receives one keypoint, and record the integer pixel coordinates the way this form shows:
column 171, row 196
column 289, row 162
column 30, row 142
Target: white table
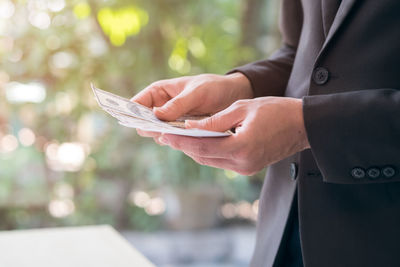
column 97, row 246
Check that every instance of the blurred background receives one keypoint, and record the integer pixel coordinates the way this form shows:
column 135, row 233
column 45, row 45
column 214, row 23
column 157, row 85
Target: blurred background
column 65, row 162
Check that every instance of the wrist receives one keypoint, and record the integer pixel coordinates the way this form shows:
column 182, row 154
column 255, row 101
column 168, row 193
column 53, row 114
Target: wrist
column 241, row 85
column 301, row 129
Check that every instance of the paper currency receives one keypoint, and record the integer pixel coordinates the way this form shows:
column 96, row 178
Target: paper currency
column 134, row 115
column 122, row 105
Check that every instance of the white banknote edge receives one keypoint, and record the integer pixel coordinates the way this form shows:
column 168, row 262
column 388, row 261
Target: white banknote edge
column 123, row 105
column 163, row 128
column 177, row 131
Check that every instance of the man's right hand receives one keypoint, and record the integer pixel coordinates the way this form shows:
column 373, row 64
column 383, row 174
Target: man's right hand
column 195, row 95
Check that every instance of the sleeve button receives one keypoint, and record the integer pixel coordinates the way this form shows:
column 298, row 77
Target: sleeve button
column 358, row 173
column 320, row 76
column 389, row 172
column 373, row 173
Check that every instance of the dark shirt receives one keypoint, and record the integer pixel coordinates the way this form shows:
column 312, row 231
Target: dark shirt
column 289, row 254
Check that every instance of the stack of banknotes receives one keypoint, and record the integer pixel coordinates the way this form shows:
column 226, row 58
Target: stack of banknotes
column 134, row 115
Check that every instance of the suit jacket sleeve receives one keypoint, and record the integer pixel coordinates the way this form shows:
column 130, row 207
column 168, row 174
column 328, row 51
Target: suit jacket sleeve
column 355, row 130
column 269, row 77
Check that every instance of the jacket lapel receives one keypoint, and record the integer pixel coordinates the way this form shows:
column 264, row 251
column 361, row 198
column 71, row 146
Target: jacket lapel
column 343, row 11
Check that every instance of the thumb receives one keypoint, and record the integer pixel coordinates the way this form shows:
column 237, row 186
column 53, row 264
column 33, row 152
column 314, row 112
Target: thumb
column 174, row 108
column 220, row 122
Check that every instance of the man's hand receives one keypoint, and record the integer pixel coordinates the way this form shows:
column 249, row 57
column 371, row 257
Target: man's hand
column 268, row 129
column 196, row 95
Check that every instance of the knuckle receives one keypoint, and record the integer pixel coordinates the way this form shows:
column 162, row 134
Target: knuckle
column 210, row 122
column 241, row 102
column 176, row 104
column 161, row 82
column 158, row 85
column 156, row 89
column 240, row 105
column 155, row 85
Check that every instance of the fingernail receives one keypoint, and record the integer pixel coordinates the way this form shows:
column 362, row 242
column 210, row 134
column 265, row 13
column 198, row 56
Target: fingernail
column 163, row 140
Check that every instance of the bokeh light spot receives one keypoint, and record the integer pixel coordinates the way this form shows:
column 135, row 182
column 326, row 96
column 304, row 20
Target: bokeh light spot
column 155, row 207
column 7, row 9
column 140, row 198
column 39, row 19
column 228, row 210
column 8, row 143
column 82, row 10
column 19, row 93
column 26, row 137
column 197, row 47
column 231, row 174
column 63, row 60
column 71, row 155
column 121, row 23
column 178, row 60
column 66, row 156
column 55, row 5
column 60, row 208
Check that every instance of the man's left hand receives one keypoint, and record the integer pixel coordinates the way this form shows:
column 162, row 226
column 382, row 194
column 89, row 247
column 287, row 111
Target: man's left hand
column 267, row 130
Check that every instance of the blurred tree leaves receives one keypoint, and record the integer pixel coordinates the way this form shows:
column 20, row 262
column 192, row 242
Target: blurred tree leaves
column 121, row 46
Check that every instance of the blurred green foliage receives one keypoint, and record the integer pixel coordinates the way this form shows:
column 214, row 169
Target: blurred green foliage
column 121, row 46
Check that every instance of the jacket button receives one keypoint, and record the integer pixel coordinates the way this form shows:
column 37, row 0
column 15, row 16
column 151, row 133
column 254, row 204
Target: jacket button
column 358, row 173
column 293, row 171
column 388, row 172
column 373, row 173
column 320, row 76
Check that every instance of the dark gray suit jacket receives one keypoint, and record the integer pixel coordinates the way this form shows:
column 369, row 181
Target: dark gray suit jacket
column 346, row 67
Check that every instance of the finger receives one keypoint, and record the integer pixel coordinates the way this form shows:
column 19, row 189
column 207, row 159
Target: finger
column 152, row 96
column 205, row 156
column 177, row 106
column 158, row 141
column 214, row 162
column 223, row 164
column 220, row 147
column 220, row 122
column 144, row 98
column 148, row 134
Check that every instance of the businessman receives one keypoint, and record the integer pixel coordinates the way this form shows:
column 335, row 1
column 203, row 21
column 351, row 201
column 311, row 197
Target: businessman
column 323, row 112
